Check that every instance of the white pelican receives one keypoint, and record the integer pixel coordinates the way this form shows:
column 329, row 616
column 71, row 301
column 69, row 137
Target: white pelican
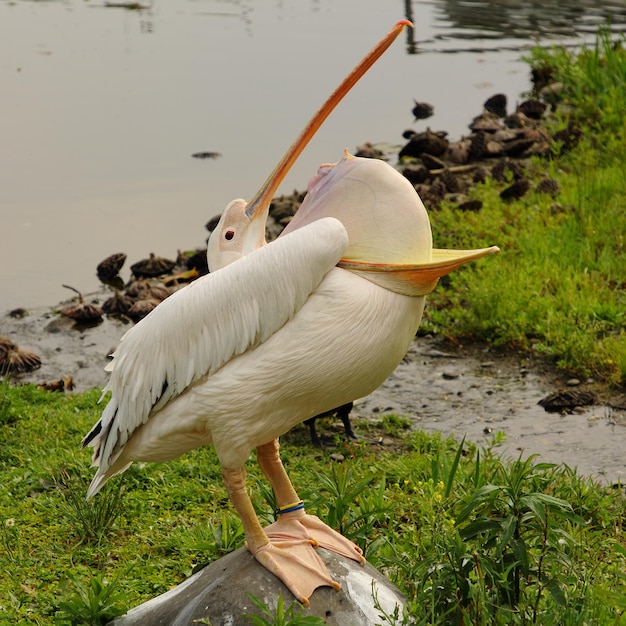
column 280, row 333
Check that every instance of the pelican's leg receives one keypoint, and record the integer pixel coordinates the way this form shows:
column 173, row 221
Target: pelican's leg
column 294, row 522
column 296, row 563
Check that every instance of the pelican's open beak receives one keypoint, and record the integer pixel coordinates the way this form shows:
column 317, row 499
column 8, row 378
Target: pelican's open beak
column 258, row 207
column 416, row 279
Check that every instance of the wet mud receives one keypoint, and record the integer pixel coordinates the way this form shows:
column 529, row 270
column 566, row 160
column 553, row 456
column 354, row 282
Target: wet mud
column 461, row 390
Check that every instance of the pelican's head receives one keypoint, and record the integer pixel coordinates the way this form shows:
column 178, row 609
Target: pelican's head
column 238, row 233
column 390, row 241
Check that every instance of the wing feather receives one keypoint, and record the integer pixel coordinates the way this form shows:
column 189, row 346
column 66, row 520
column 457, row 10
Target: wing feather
column 201, row 327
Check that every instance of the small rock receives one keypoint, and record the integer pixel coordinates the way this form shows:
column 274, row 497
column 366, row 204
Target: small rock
column 549, row 186
column 110, row 267
column 449, row 375
column 517, row 147
column 515, row 190
column 573, row 382
column 369, row 151
column 516, row 120
column 486, row 121
column 471, row 205
column 416, row 175
column 478, row 146
column 551, row 93
column 422, row 110
column 567, row 400
column 58, row 324
column 496, row 104
column 480, row 174
column 337, row 456
column 427, row 142
column 532, row 108
column 458, row 152
column 432, row 162
column 206, row 155
column 450, row 180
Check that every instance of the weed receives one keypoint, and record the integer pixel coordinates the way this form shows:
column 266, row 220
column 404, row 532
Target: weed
column 351, row 507
column 399, row 615
column 291, row 616
column 228, row 534
column 6, row 414
column 11, row 540
column 444, row 472
column 94, row 604
column 395, row 425
column 91, row 519
column 518, row 525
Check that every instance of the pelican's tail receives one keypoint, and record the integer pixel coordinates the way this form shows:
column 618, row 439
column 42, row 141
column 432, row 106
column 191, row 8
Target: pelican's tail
column 102, row 477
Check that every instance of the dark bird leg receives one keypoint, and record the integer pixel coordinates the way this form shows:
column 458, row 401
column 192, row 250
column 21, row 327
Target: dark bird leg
column 315, row 440
column 343, row 412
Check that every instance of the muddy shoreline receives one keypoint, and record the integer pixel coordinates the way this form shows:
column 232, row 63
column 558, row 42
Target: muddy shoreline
column 461, row 390
column 471, row 390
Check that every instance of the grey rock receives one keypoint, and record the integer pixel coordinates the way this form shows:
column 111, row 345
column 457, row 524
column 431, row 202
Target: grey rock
column 219, row 595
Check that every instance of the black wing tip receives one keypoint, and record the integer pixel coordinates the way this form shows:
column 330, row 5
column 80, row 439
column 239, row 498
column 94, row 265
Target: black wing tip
column 92, row 434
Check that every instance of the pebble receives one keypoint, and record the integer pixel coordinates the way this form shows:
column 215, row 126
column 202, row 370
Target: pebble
column 573, row 382
column 337, row 456
column 449, row 375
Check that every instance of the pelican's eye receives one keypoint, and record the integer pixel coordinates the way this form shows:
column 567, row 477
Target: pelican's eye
column 229, row 234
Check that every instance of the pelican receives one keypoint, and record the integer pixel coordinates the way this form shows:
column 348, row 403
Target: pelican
column 276, row 334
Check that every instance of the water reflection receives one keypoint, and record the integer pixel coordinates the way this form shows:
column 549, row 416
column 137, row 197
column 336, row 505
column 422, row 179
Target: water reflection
column 535, row 21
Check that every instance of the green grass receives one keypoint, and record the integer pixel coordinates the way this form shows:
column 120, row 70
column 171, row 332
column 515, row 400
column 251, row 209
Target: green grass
column 558, row 287
column 468, row 537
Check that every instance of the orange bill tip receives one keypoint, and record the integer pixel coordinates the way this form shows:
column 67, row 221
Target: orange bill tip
column 416, row 279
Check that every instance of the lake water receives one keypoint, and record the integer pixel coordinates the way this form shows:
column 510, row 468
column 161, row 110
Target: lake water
column 102, row 107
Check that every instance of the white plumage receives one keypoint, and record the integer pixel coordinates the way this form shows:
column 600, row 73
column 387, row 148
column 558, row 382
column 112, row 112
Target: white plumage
column 198, row 330
column 280, row 333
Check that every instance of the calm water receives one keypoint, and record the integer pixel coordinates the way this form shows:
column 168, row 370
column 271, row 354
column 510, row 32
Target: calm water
column 101, row 109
